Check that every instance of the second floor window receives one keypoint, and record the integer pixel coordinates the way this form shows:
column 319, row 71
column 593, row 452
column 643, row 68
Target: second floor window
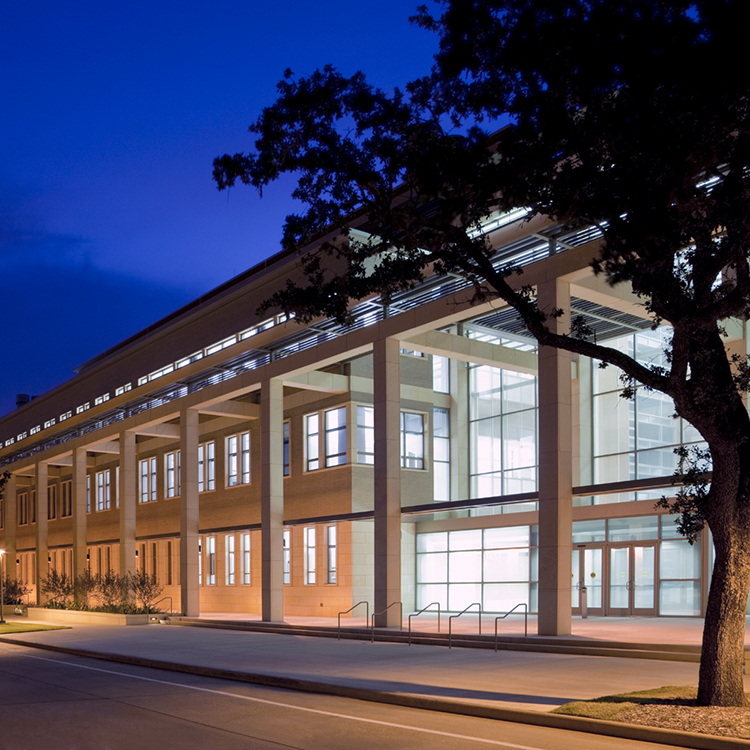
column 147, row 480
column 172, row 465
column 332, row 452
column 412, row 440
column 238, row 459
column 103, row 490
column 206, row 466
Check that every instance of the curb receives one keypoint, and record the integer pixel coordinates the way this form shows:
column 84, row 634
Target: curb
column 445, row 705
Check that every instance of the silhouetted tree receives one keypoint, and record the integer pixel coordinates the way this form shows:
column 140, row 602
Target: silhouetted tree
column 627, row 116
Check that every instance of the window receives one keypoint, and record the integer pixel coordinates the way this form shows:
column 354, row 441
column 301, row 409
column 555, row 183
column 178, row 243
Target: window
column 313, row 446
column 154, row 561
column 441, row 455
column 335, row 438
column 229, row 558
column 200, row 561
column 238, row 459
column 211, row 560
column 103, row 490
column 52, row 501
column 246, row 560
column 287, row 542
column 88, row 493
column 331, row 553
column 32, row 504
column 172, row 474
column 502, row 432
column 287, row 449
column 440, row 374
column 365, row 435
column 147, row 475
column 496, row 566
column 309, row 537
column 66, row 496
column 206, row 466
column 412, row 440
column 23, row 509
column 169, row 563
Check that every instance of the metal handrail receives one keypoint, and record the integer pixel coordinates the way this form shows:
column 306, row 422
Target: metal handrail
column 375, row 614
column 416, row 614
column 346, row 612
column 463, row 611
column 525, row 619
column 163, row 599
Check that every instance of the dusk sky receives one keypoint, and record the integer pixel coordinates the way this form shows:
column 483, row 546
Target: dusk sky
column 111, row 117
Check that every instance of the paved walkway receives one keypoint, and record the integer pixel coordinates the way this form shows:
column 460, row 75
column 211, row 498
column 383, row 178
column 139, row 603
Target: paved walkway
column 510, row 679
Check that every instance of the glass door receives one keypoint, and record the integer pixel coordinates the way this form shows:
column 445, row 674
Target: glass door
column 587, row 571
column 632, row 589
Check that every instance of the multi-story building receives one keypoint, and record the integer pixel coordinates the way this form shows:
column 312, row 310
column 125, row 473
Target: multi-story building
column 428, row 452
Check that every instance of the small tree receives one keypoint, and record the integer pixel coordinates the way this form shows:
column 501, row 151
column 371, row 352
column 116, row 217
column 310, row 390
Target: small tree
column 59, row 588
column 146, row 588
column 114, row 591
column 84, row 585
column 14, row 591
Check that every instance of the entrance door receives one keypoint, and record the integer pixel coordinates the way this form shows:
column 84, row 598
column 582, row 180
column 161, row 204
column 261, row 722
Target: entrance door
column 587, row 571
column 632, row 589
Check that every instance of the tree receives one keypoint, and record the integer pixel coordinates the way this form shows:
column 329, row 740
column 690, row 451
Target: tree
column 146, row 588
column 626, row 116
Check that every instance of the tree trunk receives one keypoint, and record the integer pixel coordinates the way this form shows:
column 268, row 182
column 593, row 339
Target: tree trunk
column 722, row 657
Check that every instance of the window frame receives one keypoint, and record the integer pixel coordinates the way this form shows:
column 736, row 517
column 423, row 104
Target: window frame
column 172, row 469
column 405, row 459
column 310, row 554
column 319, row 456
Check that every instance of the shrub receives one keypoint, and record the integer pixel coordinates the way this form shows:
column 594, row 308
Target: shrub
column 114, row 592
column 146, row 588
column 14, row 591
column 84, row 585
column 59, row 588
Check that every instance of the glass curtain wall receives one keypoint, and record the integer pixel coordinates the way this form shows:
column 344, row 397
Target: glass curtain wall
column 495, row 567
column 503, row 432
column 635, row 439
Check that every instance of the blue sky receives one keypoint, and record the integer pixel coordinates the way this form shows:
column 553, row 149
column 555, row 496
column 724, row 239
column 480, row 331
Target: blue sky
column 112, row 115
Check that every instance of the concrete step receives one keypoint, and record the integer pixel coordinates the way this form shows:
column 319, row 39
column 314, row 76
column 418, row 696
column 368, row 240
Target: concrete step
column 543, row 644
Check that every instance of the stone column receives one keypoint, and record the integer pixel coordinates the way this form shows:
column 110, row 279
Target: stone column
column 189, row 513
column 127, row 490
column 11, row 524
column 272, row 499
column 387, row 499
column 555, row 469
column 42, row 550
column 459, row 430
column 78, row 498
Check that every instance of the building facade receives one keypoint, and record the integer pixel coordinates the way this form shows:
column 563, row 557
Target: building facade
column 428, row 452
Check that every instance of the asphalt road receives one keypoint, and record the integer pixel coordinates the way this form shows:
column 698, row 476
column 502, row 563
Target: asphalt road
column 61, row 702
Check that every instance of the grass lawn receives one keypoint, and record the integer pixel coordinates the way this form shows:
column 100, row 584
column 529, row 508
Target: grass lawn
column 27, row 627
column 612, row 707
column 666, row 707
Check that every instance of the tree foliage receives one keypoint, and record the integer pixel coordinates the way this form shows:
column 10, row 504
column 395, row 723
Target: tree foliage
column 630, row 117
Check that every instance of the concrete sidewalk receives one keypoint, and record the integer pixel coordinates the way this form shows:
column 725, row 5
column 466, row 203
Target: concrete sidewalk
column 507, row 684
